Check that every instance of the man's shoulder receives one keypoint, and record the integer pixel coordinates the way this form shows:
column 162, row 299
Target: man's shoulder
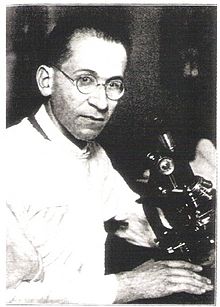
column 21, row 129
column 24, row 145
column 21, row 134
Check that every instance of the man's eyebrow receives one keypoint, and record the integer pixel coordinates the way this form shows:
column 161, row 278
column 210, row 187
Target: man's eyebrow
column 85, row 70
column 92, row 72
column 116, row 78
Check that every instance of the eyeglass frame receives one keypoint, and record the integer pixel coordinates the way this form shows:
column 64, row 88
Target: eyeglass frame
column 97, row 84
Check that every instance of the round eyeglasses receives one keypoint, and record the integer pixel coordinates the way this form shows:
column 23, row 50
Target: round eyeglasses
column 87, row 83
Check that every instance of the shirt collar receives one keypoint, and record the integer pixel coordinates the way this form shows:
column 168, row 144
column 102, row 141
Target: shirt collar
column 54, row 135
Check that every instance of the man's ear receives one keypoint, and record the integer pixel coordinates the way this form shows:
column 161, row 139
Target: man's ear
column 44, row 77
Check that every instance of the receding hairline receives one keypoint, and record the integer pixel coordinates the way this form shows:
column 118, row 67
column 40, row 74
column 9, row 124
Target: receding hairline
column 93, row 33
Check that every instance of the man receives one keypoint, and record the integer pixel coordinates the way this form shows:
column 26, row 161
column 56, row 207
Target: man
column 62, row 186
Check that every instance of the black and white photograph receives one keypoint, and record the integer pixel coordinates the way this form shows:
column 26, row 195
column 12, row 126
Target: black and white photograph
column 111, row 147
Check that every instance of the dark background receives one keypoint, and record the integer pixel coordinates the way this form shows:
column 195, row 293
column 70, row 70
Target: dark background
column 172, row 73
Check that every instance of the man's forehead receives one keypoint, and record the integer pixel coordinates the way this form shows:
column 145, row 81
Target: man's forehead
column 107, row 58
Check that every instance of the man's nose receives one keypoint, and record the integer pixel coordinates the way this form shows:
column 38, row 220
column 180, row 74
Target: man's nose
column 98, row 98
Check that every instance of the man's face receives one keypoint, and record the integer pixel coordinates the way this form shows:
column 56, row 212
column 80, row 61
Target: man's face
column 85, row 115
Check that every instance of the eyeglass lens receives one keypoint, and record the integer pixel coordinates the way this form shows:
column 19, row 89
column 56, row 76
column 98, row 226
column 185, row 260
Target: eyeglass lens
column 86, row 84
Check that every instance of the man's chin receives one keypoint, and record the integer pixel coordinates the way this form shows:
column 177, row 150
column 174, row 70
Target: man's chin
column 88, row 135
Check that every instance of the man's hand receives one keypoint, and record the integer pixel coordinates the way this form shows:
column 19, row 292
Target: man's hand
column 157, row 279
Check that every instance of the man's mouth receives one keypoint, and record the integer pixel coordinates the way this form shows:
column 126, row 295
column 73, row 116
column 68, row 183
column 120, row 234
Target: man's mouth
column 94, row 118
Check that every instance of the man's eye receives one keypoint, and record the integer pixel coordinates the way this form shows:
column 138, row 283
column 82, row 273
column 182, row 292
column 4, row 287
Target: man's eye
column 116, row 84
column 86, row 80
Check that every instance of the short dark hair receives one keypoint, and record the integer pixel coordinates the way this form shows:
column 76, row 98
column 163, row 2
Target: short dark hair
column 109, row 22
